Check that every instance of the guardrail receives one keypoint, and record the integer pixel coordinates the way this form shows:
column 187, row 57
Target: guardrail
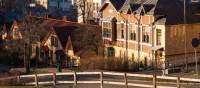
column 101, row 80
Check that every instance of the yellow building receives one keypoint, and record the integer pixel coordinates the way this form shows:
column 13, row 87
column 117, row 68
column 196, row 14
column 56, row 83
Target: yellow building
column 150, row 32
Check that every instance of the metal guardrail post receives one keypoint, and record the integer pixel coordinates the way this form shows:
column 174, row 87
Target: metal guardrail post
column 178, row 82
column 75, row 79
column 54, row 79
column 154, row 81
column 125, row 80
column 101, row 79
column 36, row 80
column 18, row 79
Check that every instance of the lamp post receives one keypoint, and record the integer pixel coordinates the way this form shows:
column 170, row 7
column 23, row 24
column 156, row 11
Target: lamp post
column 185, row 37
column 139, row 22
column 126, row 44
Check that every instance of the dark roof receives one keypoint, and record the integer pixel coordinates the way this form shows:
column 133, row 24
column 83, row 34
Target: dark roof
column 117, row 3
column 7, row 27
column 173, row 10
column 134, row 7
column 63, row 32
column 148, row 7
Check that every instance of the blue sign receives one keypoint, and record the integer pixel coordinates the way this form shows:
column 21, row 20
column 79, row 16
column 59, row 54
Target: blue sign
column 195, row 42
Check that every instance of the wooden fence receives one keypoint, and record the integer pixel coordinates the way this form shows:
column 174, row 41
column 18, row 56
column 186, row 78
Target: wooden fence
column 101, row 80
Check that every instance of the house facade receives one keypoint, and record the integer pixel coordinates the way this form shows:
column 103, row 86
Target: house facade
column 11, row 31
column 148, row 32
column 58, row 47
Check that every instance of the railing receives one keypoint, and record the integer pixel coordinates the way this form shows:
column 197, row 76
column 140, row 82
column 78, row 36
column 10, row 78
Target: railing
column 101, row 78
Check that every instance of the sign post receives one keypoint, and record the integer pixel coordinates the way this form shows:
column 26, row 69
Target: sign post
column 195, row 50
column 195, row 43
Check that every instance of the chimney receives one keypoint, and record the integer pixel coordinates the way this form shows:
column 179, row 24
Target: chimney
column 64, row 18
column 30, row 13
column 46, row 16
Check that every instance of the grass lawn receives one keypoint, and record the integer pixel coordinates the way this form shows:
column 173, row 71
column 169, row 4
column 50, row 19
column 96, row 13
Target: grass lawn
column 22, row 87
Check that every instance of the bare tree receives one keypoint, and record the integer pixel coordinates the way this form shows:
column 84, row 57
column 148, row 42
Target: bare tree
column 94, row 39
column 84, row 9
column 7, row 5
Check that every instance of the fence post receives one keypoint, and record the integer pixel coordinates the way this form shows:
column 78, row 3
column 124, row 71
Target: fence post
column 125, row 80
column 178, row 82
column 18, row 79
column 54, row 79
column 154, row 81
column 36, row 80
column 75, row 79
column 101, row 79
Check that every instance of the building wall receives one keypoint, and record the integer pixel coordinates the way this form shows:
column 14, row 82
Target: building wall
column 43, row 3
column 65, row 5
column 120, row 44
column 175, row 43
column 172, row 39
column 137, row 49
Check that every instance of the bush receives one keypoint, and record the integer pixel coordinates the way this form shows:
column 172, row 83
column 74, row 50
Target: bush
column 117, row 64
column 14, row 72
column 10, row 59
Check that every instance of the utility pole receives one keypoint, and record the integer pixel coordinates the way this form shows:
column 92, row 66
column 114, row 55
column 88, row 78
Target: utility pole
column 139, row 22
column 126, row 40
column 126, row 44
column 26, row 60
column 184, row 28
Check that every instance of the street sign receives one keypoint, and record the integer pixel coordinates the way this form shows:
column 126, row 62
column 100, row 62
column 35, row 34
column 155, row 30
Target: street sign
column 195, row 42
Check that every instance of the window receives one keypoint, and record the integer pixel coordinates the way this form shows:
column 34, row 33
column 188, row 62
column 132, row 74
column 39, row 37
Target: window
column 97, row 6
column 122, row 30
column 145, row 34
column 111, row 52
column 132, row 33
column 122, row 34
column 133, row 57
column 54, row 41
column 107, row 29
column 158, row 36
column 94, row 7
column 133, row 36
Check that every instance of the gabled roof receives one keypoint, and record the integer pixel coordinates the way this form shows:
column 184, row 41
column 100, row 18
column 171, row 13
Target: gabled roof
column 69, row 45
column 7, row 27
column 63, row 32
column 173, row 10
column 136, row 6
column 117, row 4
